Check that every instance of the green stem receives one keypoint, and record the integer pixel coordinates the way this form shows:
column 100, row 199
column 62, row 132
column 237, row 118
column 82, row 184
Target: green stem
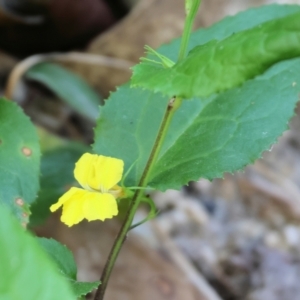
column 117, row 245
column 170, row 110
column 188, row 25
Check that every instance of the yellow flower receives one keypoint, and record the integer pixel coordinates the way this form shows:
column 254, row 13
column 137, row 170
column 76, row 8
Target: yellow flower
column 98, row 175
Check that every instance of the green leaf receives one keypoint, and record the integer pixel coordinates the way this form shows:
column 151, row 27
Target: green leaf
column 26, row 271
column 57, row 168
column 61, row 255
column 20, row 159
column 221, row 65
column 162, row 60
column 130, row 119
column 128, row 131
column 233, row 130
column 230, row 25
column 69, row 87
column 228, row 132
column 83, row 288
column 65, row 262
column 127, row 128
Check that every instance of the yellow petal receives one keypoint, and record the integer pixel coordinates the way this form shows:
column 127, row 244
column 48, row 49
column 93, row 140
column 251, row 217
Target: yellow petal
column 98, row 172
column 73, row 211
column 98, row 206
column 109, row 171
column 84, row 169
column 65, row 197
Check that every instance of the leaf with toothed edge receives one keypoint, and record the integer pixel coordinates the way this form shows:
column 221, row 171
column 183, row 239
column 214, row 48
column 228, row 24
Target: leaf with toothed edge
column 230, row 25
column 127, row 128
column 226, row 134
column 65, row 262
column 233, row 130
column 220, row 65
column 20, row 160
column 128, row 131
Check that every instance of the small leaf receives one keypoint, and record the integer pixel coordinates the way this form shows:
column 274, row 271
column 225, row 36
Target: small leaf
column 20, row 160
column 65, row 262
column 69, row 87
column 26, row 271
column 221, row 65
column 163, row 60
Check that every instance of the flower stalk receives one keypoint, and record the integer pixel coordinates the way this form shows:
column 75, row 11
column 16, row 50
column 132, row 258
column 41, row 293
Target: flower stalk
column 171, row 108
column 137, row 197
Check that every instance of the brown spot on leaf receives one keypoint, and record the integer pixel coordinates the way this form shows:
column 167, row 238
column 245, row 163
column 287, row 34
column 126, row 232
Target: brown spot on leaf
column 24, row 224
column 26, row 151
column 20, row 201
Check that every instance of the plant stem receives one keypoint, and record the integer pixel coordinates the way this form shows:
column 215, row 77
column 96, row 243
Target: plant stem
column 117, row 245
column 188, row 25
column 170, row 110
column 173, row 105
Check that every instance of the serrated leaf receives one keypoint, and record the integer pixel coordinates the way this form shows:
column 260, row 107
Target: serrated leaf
column 83, row 288
column 229, row 132
column 221, row 65
column 233, row 130
column 129, row 131
column 232, row 24
column 57, row 177
column 61, row 255
column 69, row 87
column 20, row 160
column 130, row 118
column 127, row 127
column 65, row 262
column 26, row 271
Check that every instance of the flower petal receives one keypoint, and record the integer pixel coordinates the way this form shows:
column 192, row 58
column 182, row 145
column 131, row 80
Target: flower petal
column 98, row 206
column 84, row 169
column 98, row 172
column 109, row 171
column 73, row 209
column 65, row 197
